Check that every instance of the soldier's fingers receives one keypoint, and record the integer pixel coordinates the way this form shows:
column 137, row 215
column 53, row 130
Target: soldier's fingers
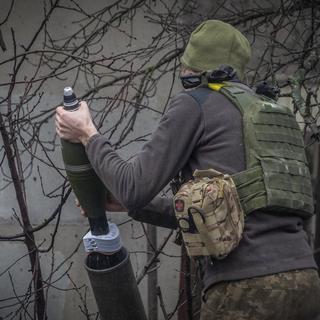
column 59, row 110
column 83, row 212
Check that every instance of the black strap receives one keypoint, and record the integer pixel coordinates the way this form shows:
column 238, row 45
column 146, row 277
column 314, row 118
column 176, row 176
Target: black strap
column 199, row 94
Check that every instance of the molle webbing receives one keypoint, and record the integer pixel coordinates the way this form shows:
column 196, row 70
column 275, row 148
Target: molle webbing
column 277, row 175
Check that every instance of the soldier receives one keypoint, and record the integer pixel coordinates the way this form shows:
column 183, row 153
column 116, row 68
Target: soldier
column 218, row 122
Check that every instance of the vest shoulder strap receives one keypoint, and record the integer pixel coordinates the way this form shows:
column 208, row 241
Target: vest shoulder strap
column 199, row 94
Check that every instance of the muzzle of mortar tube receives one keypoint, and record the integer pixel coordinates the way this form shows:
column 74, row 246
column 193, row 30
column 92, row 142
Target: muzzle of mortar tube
column 116, row 291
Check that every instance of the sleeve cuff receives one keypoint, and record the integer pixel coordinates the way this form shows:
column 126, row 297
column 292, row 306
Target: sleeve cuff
column 94, row 138
column 158, row 212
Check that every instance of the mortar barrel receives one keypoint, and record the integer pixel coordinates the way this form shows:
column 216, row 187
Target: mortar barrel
column 115, row 287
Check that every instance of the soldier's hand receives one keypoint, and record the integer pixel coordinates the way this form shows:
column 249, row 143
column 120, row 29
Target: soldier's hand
column 81, row 209
column 113, row 205
column 76, row 126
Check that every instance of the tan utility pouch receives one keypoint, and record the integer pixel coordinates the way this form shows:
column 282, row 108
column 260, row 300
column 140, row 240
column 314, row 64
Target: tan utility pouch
column 209, row 214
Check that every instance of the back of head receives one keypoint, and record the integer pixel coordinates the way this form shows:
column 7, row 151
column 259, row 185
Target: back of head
column 214, row 43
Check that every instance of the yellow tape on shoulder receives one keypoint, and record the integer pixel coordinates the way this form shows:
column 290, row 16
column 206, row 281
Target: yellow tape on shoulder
column 216, row 86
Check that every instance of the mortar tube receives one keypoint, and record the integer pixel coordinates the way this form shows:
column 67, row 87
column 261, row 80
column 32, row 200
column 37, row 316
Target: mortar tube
column 115, row 288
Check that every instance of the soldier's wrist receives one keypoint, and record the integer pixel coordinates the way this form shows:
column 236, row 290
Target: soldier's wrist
column 89, row 132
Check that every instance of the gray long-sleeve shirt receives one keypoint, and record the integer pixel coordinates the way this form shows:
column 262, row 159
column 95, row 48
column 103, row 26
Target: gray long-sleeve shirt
column 189, row 137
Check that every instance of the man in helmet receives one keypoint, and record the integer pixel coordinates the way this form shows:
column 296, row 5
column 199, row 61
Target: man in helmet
column 271, row 274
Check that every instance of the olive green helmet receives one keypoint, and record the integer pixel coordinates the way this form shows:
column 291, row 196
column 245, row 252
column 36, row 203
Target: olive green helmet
column 214, row 43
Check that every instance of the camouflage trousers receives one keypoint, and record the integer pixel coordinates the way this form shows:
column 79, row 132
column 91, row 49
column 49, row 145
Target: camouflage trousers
column 293, row 295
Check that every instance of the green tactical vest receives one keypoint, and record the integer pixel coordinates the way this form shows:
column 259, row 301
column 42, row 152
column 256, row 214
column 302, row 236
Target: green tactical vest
column 277, row 176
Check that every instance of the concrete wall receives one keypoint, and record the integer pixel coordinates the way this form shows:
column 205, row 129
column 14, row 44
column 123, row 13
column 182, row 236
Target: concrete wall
column 62, row 266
